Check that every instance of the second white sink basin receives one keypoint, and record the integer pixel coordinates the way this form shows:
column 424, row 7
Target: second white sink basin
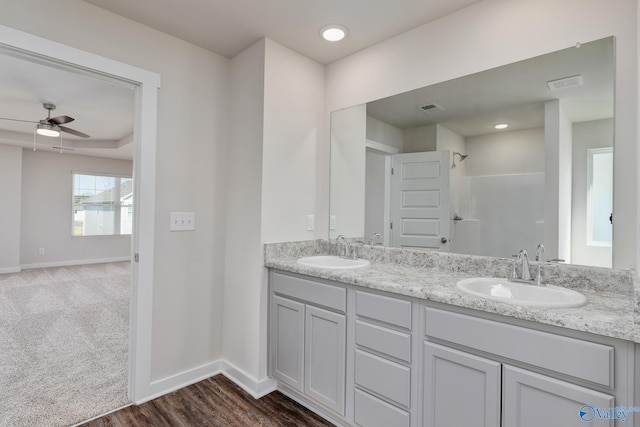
column 332, row 262
column 521, row 293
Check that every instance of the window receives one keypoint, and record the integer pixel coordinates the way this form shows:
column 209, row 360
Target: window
column 102, row 205
column 599, row 196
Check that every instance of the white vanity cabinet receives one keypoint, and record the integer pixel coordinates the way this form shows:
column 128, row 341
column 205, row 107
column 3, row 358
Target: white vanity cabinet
column 507, row 375
column 308, row 338
column 368, row 358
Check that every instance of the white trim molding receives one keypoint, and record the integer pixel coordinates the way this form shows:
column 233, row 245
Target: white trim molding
column 72, row 262
column 255, row 388
column 183, row 379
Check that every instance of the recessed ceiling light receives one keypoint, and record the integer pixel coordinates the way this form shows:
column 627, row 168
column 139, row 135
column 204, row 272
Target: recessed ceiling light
column 501, row 126
column 333, row 32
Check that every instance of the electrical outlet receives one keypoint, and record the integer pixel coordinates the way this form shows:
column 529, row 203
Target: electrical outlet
column 310, row 223
column 40, row 251
column 332, row 222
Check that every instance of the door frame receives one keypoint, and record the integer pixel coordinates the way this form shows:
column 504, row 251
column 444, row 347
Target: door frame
column 387, row 151
column 145, row 83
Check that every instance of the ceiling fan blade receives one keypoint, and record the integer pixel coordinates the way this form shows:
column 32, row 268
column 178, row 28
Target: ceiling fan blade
column 73, row 132
column 60, row 120
column 17, row 120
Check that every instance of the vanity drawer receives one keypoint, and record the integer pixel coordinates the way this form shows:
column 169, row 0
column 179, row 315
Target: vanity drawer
column 383, row 377
column 316, row 293
column 569, row 356
column 390, row 310
column 373, row 412
column 389, row 342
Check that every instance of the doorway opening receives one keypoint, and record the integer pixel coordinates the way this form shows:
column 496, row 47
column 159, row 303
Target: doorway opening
column 144, row 85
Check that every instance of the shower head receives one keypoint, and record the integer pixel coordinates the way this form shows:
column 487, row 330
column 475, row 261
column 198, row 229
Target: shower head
column 462, row 157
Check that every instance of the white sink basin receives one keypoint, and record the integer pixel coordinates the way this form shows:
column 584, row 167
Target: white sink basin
column 332, row 262
column 522, row 293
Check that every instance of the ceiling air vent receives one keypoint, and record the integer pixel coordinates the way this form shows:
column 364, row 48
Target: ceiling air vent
column 430, row 108
column 565, row 83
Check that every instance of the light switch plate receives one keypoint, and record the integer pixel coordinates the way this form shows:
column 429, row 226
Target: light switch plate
column 332, row 222
column 182, row 221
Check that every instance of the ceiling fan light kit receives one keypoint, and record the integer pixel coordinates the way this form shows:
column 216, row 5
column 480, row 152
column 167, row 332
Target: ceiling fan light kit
column 47, row 129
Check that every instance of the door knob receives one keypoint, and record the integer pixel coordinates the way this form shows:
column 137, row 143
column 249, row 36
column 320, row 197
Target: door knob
column 443, row 240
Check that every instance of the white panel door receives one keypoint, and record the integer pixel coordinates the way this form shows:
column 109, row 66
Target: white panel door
column 420, row 200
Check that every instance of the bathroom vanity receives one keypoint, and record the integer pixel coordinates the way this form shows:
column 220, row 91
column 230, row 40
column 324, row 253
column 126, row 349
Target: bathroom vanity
column 395, row 344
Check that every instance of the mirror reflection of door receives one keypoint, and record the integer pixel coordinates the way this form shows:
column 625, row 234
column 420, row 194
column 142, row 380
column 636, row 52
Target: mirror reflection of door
column 420, row 200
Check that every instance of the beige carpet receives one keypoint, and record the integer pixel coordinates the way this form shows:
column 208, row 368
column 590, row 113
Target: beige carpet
column 63, row 343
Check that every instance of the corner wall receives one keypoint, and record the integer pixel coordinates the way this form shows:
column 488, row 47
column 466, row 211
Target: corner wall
column 243, row 251
column 277, row 99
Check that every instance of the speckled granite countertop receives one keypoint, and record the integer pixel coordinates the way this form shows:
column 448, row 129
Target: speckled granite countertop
column 612, row 309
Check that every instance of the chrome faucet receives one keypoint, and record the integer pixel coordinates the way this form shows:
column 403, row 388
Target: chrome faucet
column 525, row 276
column 540, row 253
column 373, row 238
column 344, row 250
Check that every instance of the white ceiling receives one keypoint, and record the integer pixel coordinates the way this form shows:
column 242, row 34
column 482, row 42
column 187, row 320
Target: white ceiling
column 228, row 27
column 101, row 109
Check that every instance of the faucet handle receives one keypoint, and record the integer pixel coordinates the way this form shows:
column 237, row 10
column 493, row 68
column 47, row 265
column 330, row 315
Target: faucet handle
column 514, row 274
column 539, row 279
column 354, row 251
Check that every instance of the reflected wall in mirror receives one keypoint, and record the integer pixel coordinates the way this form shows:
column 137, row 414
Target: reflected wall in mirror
column 428, row 169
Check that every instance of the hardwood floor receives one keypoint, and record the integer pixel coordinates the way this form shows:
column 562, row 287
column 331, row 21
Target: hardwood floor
column 215, row 402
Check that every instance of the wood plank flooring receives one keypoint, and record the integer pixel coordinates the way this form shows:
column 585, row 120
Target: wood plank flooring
column 216, row 401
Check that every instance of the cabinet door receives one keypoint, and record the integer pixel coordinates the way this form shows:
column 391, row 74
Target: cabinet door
column 533, row 400
column 325, row 357
column 460, row 389
column 287, row 323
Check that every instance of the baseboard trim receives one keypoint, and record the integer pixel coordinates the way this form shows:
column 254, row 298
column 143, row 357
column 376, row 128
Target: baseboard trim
column 256, row 389
column 6, row 270
column 183, row 379
column 72, row 263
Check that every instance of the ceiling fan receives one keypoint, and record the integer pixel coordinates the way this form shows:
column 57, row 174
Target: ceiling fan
column 52, row 126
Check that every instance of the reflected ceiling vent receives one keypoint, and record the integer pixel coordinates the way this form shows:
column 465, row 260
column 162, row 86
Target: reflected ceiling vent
column 565, row 83
column 430, row 108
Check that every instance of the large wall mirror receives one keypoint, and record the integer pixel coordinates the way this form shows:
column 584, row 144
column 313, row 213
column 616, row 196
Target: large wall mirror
column 430, row 169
